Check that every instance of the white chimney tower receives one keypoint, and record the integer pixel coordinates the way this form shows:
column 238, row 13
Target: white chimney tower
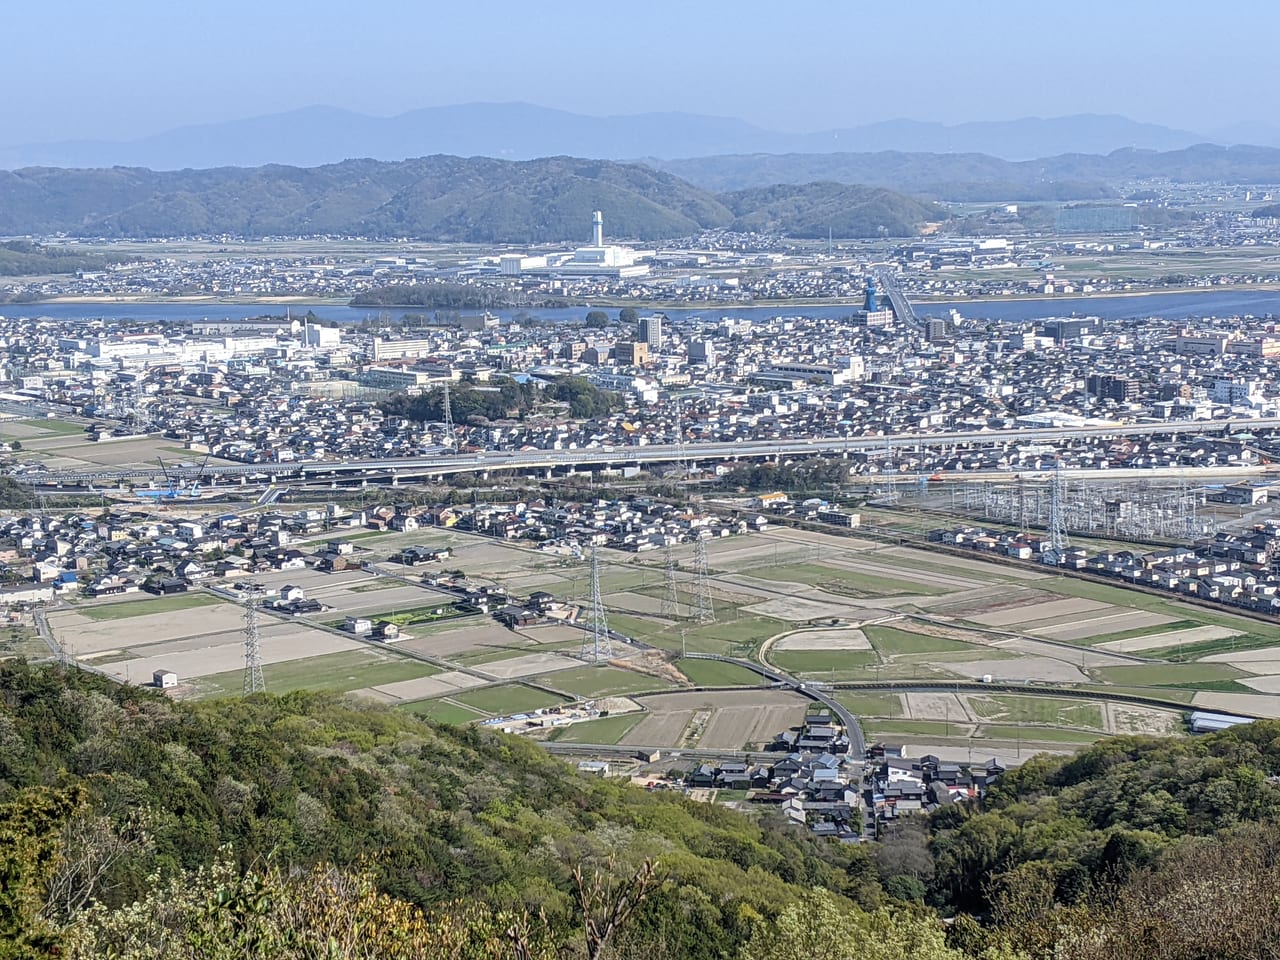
column 597, row 229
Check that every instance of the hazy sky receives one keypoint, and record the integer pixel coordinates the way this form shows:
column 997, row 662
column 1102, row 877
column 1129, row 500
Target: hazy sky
column 118, row 70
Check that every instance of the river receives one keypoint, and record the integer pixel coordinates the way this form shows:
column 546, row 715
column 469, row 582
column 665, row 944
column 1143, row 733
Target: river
column 1175, row 306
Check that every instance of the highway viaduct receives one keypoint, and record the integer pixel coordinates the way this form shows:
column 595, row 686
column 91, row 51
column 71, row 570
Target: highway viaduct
column 438, row 465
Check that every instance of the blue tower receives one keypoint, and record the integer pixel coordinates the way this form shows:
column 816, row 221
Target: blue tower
column 869, row 303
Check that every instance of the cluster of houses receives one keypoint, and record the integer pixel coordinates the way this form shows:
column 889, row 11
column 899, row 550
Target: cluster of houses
column 1241, row 570
column 899, row 786
column 635, row 525
column 819, row 785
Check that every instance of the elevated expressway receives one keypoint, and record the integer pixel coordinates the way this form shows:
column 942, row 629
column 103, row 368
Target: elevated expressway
column 438, row 465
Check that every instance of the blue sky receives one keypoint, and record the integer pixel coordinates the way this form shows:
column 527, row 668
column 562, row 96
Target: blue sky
column 128, row 68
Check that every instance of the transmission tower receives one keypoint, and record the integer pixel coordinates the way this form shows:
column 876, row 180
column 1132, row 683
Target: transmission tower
column 681, row 455
column 670, row 595
column 253, row 682
column 704, row 604
column 597, row 642
column 1057, row 551
column 448, row 416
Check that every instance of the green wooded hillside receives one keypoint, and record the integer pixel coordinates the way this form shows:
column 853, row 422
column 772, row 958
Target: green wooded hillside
column 313, row 826
column 453, row 199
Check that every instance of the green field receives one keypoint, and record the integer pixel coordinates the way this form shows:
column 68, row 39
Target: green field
column 509, row 699
column 1048, row 710
column 1206, row 648
column 1140, row 600
column 603, row 682
column 413, row 616
column 871, row 704
column 714, row 673
column 1165, row 693
column 1038, row 734
column 728, row 636
column 23, row 642
column 928, row 728
column 605, row 730
column 842, row 663
column 55, row 427
column 346, row 670
column 890, row 641
column 1170, row 674
column 1137, row 632
column 442, row 711
column 140, row 608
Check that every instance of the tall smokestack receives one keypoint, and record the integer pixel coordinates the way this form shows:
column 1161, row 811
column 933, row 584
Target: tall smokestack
column 597, row 229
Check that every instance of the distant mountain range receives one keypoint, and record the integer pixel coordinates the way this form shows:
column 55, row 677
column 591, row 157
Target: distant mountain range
column 320, row 135
column 435, row 198
column 976, row 177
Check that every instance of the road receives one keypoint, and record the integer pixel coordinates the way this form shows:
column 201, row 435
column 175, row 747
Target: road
column 437, row 465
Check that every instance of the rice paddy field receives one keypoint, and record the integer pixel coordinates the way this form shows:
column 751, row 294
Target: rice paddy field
column 821, row 608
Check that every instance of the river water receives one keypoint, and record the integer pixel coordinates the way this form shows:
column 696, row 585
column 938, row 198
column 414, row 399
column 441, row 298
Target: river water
column 1174, row 306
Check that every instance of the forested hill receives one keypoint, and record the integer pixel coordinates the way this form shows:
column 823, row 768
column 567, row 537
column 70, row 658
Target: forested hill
column 313, row 826
column 432, row 198
column 960, row 176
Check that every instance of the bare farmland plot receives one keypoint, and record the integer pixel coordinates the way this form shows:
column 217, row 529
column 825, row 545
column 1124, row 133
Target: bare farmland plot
column 733, row 727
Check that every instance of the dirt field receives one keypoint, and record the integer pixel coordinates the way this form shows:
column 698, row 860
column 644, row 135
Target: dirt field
column 732, row 728
column 639, row 602
column 1259, row 668
column 1242, row 657
column 799, row 610
column 529, row 665
column 550, row 633
column 847, row 639
column 1253, row 704
column 1100, row 626
column 79, row 635
column 1154, row 641
column 1030, row 612
column 937, row 706
column 454, row 640
column 1267, row 684
column 224, row 651
column 920, row 557
column 905, row 574
column 1007, row 752
column 659, row 729
column 422, row 688
column 739, row 717
column 1023, row 668
column 1123, row 718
